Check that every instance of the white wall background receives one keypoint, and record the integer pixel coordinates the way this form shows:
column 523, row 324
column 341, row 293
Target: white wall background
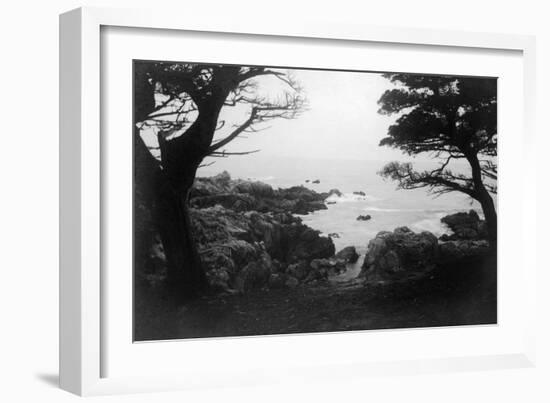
column 29, row 202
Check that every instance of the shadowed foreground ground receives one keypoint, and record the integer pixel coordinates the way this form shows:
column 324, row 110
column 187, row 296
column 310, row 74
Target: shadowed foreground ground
column 456, row 294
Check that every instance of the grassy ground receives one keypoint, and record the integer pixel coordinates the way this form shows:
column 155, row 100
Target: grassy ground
column 462, row 293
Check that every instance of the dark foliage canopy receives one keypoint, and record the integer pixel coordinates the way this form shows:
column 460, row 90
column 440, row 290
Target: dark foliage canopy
column 183, row 97
column 450, row 117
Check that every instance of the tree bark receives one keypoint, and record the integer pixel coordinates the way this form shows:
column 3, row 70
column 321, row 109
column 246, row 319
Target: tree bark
column 186, row 276
column 490, row 214
column 167, row 191
column 482, row 195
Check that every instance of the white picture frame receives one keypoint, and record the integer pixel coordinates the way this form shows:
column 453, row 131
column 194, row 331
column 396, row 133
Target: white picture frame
column 82, row 340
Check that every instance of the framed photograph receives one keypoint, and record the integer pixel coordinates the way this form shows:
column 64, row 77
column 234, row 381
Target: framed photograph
column 264, row 202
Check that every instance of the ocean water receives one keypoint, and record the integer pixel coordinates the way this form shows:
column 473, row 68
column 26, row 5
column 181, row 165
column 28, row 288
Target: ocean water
column 389, row 207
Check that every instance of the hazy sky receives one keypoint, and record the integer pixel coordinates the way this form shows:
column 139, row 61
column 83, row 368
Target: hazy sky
column 341, row 121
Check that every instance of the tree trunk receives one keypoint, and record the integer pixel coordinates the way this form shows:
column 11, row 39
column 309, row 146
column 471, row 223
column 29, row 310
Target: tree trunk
column 181, row 157
column 186, row 277
column 482, row 195
column 170, row 214
column 490, row 214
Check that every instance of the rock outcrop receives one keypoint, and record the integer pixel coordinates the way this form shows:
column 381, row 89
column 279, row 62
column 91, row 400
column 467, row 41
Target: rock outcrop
column 248, row 237
column 465, row 226
column 404, row 254
column 453, row 251
column 348, row 254
column 400, row 255
column 364, row 217
column 469, row 237
column 335, row 192
column 242, row 195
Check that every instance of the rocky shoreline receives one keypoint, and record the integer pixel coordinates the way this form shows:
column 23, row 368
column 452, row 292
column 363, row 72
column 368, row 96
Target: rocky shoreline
column 250, row 237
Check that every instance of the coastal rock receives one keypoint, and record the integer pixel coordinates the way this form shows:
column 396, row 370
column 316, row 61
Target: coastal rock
column 360, row 193
column 255, row 275
column 246, row 234
column 334, row 235
column 399, row 255
column 217, row 184
column 304, row 208
column 237, row 202
column 327, row 267
column 465, row 226
column 298, row 270
column 299, row 193
column 453, row 251
column 334, row 192
column 365, row 217
column 348, row 254
column 316, row 181
column 240, row 195
column 309, row 245
column 258, row 189
column 228, row 241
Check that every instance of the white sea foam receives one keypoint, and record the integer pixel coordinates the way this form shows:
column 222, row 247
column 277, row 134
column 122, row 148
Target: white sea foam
column 347, row 197
column 432, row 224
column 262, row 178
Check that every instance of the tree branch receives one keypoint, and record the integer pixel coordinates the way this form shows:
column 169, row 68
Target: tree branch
column 235, row 133
column 407, row 178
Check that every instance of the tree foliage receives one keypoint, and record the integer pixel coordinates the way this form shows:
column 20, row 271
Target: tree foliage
column 184, row 94
column 452, row 118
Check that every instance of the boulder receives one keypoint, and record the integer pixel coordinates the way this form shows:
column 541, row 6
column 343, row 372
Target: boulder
column 399, row 255
column 348, row 254
column 365, row 217
column 327, row 267
column 309, row 245
column 465, row 226
column 317, row 273
column 255, row 275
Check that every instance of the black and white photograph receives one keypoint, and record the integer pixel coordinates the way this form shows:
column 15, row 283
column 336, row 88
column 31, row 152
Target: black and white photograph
column 280, row 200
column 271, row 202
